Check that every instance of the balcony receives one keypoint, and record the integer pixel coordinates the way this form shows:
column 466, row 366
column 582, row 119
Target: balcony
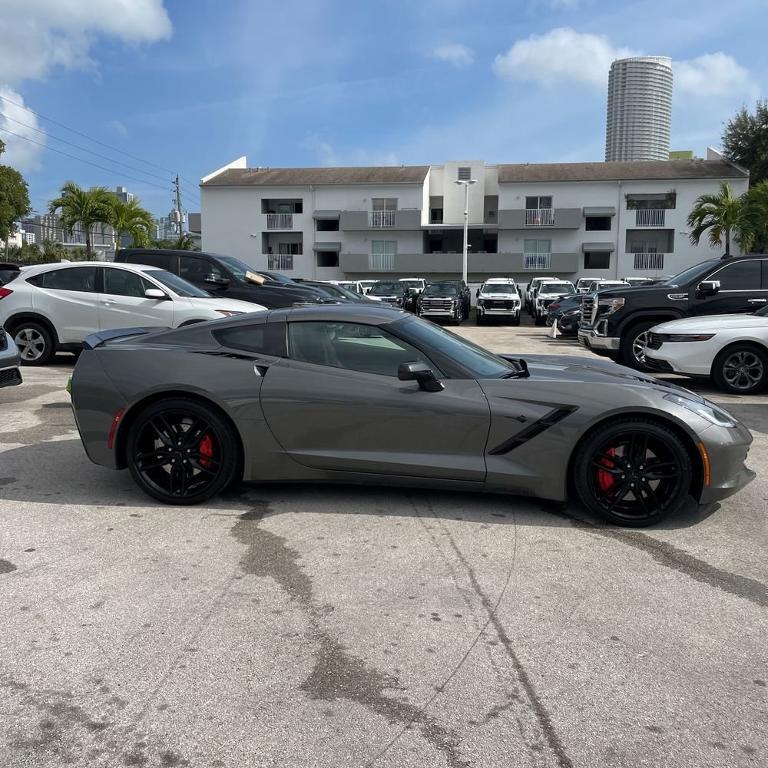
column 280, row 261
column 279, row 221
column 649, row 217
column 534, row 262
column 648, row 261
column 539, row 217
column 381, row 262
column 382, row 218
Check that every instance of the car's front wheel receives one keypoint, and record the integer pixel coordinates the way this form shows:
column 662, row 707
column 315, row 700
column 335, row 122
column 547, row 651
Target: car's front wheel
column 180, row 451
column 741, row 369
column 633, row 345
column 35, row 343
column 632, row 472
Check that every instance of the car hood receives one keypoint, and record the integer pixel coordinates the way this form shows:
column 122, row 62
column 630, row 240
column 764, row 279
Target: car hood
column 712, row 323
column 498, row 296
column 564, row 368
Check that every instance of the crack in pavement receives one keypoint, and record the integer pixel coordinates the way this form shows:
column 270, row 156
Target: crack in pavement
column 337, row 674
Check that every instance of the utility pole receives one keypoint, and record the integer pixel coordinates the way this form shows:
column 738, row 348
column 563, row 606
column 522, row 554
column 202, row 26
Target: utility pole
column 466, row 183
column 179, row 215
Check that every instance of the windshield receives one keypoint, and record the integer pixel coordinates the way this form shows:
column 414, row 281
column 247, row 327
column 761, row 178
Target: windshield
column 386, row 289
column 236, row 267
column 687, row 275
column 433, row 339
column 440, row 289
column 177, row 284
column 411, row 283
column 499, row 288
column 556, row 288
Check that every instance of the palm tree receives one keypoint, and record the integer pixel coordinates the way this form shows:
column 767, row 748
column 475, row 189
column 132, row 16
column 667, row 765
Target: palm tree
column 757, row 203
column 85, row 207
column 726, row 216
column 130, row 218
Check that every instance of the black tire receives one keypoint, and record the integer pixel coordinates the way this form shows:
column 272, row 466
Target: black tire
column 35, row 342
column 180, row 451
column 621, row 459
column 479, row 319
column 633, row 340
column 539, row 320
column 516, row 321
column 741, row 369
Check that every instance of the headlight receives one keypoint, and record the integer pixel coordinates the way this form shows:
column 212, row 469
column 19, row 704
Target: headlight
column 228, row 312
column 611, row 305
column 685, row 336
column 706, row 410
column 399, row 302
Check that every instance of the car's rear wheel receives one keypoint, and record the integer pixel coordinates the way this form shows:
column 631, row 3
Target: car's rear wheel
column 632, row 472
column 633, row 345
column 479, row 319
column 741, row 369
column 34, row 341
column 180, row 451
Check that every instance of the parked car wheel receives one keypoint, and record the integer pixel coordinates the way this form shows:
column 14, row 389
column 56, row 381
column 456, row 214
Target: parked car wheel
column 34, row 341
column 633, row 344
column 516, row 321
column 539, row 319
column 741, row 369
column 632, row 472
column 180, row 451
column 479, row 319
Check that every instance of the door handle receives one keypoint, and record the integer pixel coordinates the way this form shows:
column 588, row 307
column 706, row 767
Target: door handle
column 758, row 301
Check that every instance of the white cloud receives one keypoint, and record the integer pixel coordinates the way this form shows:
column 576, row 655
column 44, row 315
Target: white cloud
column 20, row 153
column 562, row 5
column 118, row 127
column 562, row 54
column 42, row 35
column 713, row 74
column 329, row 156
column 456, row 54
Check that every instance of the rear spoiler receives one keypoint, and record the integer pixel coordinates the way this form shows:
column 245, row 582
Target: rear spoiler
column 101, row 338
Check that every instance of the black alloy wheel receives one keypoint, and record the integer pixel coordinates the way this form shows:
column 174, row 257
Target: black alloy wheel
column 180, row 451
column 632, row 472
column 741, row 369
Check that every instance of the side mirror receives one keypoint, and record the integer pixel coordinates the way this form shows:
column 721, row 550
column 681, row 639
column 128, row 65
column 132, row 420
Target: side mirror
column 156, row 293
column 216, row 280
column 708, row 287
column 421, row 373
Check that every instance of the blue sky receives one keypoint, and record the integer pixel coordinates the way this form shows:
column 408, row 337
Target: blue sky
column 189, row 86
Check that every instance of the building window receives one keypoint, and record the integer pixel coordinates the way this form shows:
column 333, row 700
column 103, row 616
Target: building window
column 280, row 261
column 435, row 215
column 464, row 173
column 598, row 224
column 327, row 225
column 327, row 259
column 537, row 254
column 383, row 203
column 597, row 260
column 382, row 256
column 537, row 202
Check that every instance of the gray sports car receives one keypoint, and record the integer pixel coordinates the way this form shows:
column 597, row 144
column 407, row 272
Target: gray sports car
column 352, row 393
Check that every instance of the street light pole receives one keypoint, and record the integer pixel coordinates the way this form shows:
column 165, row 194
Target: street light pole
column 466, row 183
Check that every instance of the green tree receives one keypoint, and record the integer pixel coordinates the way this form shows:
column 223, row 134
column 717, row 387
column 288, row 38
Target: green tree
column 85, row 207
column 757, row 202
column 183, row 242
column 725, row 217
column 131, row 219
column 745, row 141
column 14, row 199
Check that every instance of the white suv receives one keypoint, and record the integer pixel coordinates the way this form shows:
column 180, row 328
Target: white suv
column 498, row 297
column 548, row 291
column 54, row 307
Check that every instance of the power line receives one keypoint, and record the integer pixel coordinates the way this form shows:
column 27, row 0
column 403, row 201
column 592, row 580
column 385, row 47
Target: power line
column 85, row 135
column 83, row 160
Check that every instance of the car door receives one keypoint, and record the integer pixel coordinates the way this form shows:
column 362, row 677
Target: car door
column 743, row 288
column 336, row 404
column 67, row 296
column 122, row 303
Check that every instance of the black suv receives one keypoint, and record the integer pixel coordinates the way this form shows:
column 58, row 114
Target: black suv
column 226, row 276
column 615, row 322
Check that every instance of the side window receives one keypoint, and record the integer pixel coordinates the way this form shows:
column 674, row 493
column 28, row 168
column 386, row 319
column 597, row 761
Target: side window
column 741, row 276
column 166, row 261
column 355, row 347
column 196, row 270
column 121, row 282
column 263, row 338
column 70, row 279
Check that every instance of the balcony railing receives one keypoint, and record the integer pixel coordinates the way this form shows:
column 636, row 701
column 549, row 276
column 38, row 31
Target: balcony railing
column 280, row 261
column 649, row 217
column 382, row 218
column 539, row 217
column 279, row 221
column 649, row 261
column 381, row 262
column 534, row 261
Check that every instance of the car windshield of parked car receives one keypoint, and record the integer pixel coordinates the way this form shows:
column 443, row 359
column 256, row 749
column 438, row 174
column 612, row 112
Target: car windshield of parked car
column 440, row 290
column 499, row 288
column 386, row 289
column 559, row 288
column 437, row 341
column 238, row 268
column 411, row 283
column 177, row 284
column 681, row 278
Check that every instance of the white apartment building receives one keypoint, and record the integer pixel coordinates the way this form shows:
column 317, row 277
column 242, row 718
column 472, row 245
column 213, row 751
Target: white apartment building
column 566, row 219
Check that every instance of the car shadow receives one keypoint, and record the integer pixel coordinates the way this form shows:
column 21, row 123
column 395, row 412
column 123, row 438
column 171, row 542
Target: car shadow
column 58, row 472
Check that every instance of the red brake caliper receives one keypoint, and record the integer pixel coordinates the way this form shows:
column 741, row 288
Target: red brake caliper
column 205, row 446
column 605, row 479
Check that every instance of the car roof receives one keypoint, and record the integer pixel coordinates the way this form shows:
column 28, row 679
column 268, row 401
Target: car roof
column 37, row 269
column 371, row 314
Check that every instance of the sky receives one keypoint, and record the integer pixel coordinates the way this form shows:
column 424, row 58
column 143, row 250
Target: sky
column 150, row 88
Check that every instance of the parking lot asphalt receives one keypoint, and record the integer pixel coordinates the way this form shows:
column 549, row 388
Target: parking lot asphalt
column 339, row 626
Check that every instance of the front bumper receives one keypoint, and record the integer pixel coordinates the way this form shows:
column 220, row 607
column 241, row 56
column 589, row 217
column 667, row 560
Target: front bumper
column 437, row 312
column 601, row 345
column 693, row 358
column 727, row 449
column 498, row 312
column 10, row 374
